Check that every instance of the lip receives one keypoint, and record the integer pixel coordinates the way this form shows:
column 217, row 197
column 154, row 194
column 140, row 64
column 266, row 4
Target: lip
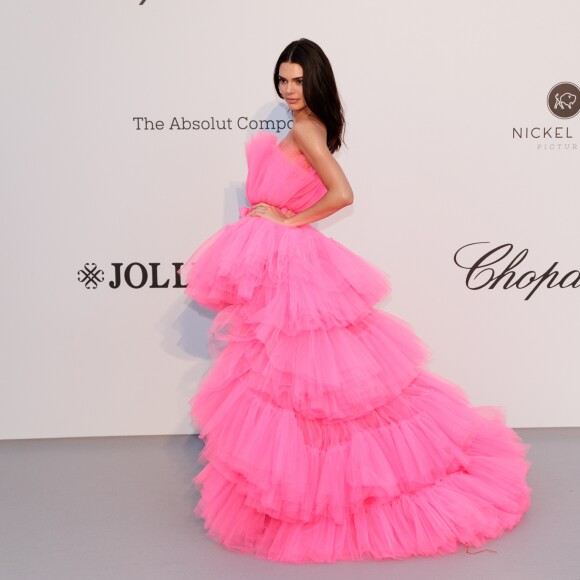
column 291, row 100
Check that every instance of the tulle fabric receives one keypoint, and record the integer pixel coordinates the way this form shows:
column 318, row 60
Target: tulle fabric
column 325, row 438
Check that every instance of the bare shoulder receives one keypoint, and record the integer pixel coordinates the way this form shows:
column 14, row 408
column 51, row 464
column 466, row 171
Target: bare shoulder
column 309, row 135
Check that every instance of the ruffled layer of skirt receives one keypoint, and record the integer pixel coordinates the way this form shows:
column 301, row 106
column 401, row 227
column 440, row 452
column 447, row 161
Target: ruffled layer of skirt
column 325, row 438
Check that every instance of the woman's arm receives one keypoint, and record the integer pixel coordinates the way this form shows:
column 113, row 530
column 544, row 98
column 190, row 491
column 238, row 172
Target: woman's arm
column 310, row 138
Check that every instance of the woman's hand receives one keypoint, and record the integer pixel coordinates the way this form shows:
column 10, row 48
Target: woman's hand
column 271, row 212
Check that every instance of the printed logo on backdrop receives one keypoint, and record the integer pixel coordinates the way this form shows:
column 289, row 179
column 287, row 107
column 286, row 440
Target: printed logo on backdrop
column 212, row 124
column 496, row 267
column 135, row 275
column 90, row 275
column 563, row 102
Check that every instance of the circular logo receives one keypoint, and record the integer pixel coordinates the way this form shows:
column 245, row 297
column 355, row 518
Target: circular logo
column 564, row 100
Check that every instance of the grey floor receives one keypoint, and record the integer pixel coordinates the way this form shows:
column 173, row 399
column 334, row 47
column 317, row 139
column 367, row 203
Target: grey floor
column 121, row 508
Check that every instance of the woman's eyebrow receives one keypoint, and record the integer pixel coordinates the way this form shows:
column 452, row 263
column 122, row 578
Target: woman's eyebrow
column 294, row 79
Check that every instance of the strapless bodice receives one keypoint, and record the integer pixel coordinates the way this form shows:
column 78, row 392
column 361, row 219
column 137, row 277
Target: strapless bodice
column 279, row 176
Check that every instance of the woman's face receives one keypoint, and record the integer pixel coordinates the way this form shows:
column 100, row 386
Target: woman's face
column 290, row 85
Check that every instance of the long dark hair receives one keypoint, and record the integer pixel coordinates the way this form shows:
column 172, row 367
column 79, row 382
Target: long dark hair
column 318, row 85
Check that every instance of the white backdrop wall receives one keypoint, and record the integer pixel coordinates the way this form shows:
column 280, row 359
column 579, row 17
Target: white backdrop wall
column 432, row 93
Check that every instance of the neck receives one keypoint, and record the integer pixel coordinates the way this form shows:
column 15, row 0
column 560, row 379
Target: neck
column 301, row 114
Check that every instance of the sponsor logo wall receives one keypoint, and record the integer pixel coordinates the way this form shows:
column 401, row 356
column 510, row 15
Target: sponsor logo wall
column 122, row 156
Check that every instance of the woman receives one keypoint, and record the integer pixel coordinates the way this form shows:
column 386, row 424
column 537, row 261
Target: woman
column 316, row 136
column 325, row 438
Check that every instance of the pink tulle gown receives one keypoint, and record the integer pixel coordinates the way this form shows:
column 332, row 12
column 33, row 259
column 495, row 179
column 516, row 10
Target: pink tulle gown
column 325, row 438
